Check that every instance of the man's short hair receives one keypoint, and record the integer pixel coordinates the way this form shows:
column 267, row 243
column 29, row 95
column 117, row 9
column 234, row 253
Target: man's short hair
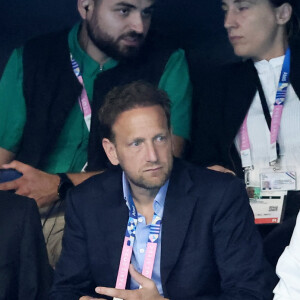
column 129, row 96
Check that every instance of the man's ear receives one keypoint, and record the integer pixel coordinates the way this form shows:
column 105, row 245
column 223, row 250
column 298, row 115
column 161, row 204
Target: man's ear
column 110, row 150
column 84, row 6
column 283, row 13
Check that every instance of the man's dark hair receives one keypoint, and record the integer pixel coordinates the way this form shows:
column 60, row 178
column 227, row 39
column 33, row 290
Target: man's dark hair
column 129, row 96
column 293, row 26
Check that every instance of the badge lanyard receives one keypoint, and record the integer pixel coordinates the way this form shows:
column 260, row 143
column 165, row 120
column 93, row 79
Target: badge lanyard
column 83, row 98
column 275, row 122
column 128, row 246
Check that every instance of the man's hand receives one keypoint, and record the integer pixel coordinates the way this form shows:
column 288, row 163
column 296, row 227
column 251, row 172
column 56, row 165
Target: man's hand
column 148, row 290
column 219, row 168
column 34, row 183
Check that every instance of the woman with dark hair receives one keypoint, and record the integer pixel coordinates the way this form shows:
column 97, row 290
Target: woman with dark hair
column 250, row 121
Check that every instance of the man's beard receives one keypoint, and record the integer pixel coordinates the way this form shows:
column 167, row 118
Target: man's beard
column 111, row 47
column 144, row 183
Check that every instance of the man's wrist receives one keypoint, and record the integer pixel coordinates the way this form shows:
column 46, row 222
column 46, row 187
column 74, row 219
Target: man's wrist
column 64, row 185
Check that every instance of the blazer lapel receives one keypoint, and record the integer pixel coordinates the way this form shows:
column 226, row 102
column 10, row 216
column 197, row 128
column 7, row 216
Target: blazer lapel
column 177, row 214
column 115, row 223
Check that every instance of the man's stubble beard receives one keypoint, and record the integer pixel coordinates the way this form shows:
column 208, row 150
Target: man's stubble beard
column 111, row 47
column 141, row 182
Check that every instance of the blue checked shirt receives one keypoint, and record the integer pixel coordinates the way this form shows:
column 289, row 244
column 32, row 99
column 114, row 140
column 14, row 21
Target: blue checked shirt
column 142, row 234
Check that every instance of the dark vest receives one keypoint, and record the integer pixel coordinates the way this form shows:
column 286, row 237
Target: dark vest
column 225, row 99
column 51, row 89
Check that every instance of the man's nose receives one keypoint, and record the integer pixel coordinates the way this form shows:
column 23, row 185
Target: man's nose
column 151, row 155
column 137, row 23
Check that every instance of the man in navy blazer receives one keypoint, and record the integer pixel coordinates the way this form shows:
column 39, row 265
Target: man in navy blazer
column 208, row 247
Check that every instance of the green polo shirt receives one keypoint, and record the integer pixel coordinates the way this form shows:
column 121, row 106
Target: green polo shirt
column 70, row 151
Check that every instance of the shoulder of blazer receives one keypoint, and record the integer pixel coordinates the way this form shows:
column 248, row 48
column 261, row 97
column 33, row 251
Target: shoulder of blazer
column 192, row 178
column 107, row 185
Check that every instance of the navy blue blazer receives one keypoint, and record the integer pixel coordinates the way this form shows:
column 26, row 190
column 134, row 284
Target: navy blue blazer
column 24, row 269
column 210, row 247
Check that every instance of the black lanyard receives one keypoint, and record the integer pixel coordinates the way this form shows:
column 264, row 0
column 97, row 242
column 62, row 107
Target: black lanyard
column 264, row 105
column 263, row 102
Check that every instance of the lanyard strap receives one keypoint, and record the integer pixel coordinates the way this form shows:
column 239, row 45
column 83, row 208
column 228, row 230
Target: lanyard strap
column 128, row 246
column 273, row 123
column 83, row 100
column 263, row 102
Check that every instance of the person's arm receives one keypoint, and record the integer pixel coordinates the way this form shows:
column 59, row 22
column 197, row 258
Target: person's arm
column 78, row 178
column 39, row 185
column 219, row 168
column 34, row 183
column 238, row 246
column 176, row 82
column 13, row 109
column 5, row 156
column 288, row 269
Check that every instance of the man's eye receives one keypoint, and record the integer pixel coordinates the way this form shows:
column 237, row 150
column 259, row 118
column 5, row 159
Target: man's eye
column 242, row 6
column 136, row 144
column 224, row 8
column 124, row 11
column 147, row 13
column 160, row 138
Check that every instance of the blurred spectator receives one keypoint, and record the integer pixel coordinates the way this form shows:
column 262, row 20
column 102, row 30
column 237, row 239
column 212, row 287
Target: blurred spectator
column 24, row 269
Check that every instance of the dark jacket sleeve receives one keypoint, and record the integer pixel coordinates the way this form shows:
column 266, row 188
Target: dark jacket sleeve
column 238, row 247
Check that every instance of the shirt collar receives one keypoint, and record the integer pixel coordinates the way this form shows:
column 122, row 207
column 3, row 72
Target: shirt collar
column 159, row 200
column 263, row 66
column 87, row 65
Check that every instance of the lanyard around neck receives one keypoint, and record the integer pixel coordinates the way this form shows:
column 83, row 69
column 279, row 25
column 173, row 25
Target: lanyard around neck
column 128, row 246
column 273, row 123
column 83, row 100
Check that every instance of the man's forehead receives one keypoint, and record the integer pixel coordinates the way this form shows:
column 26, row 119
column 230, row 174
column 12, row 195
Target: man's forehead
column 239, row 1
column 130, row 119
column 135, row 3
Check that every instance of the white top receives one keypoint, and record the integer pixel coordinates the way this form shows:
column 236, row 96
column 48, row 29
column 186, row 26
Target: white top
column 288, row 269
column 259, row 133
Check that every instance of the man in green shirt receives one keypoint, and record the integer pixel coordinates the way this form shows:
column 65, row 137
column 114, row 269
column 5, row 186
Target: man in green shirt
column 110, row 31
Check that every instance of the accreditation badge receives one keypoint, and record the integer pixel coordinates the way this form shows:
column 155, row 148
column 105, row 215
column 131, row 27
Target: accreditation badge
column 269, row 207
column 278, row 181
column 267, row 199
